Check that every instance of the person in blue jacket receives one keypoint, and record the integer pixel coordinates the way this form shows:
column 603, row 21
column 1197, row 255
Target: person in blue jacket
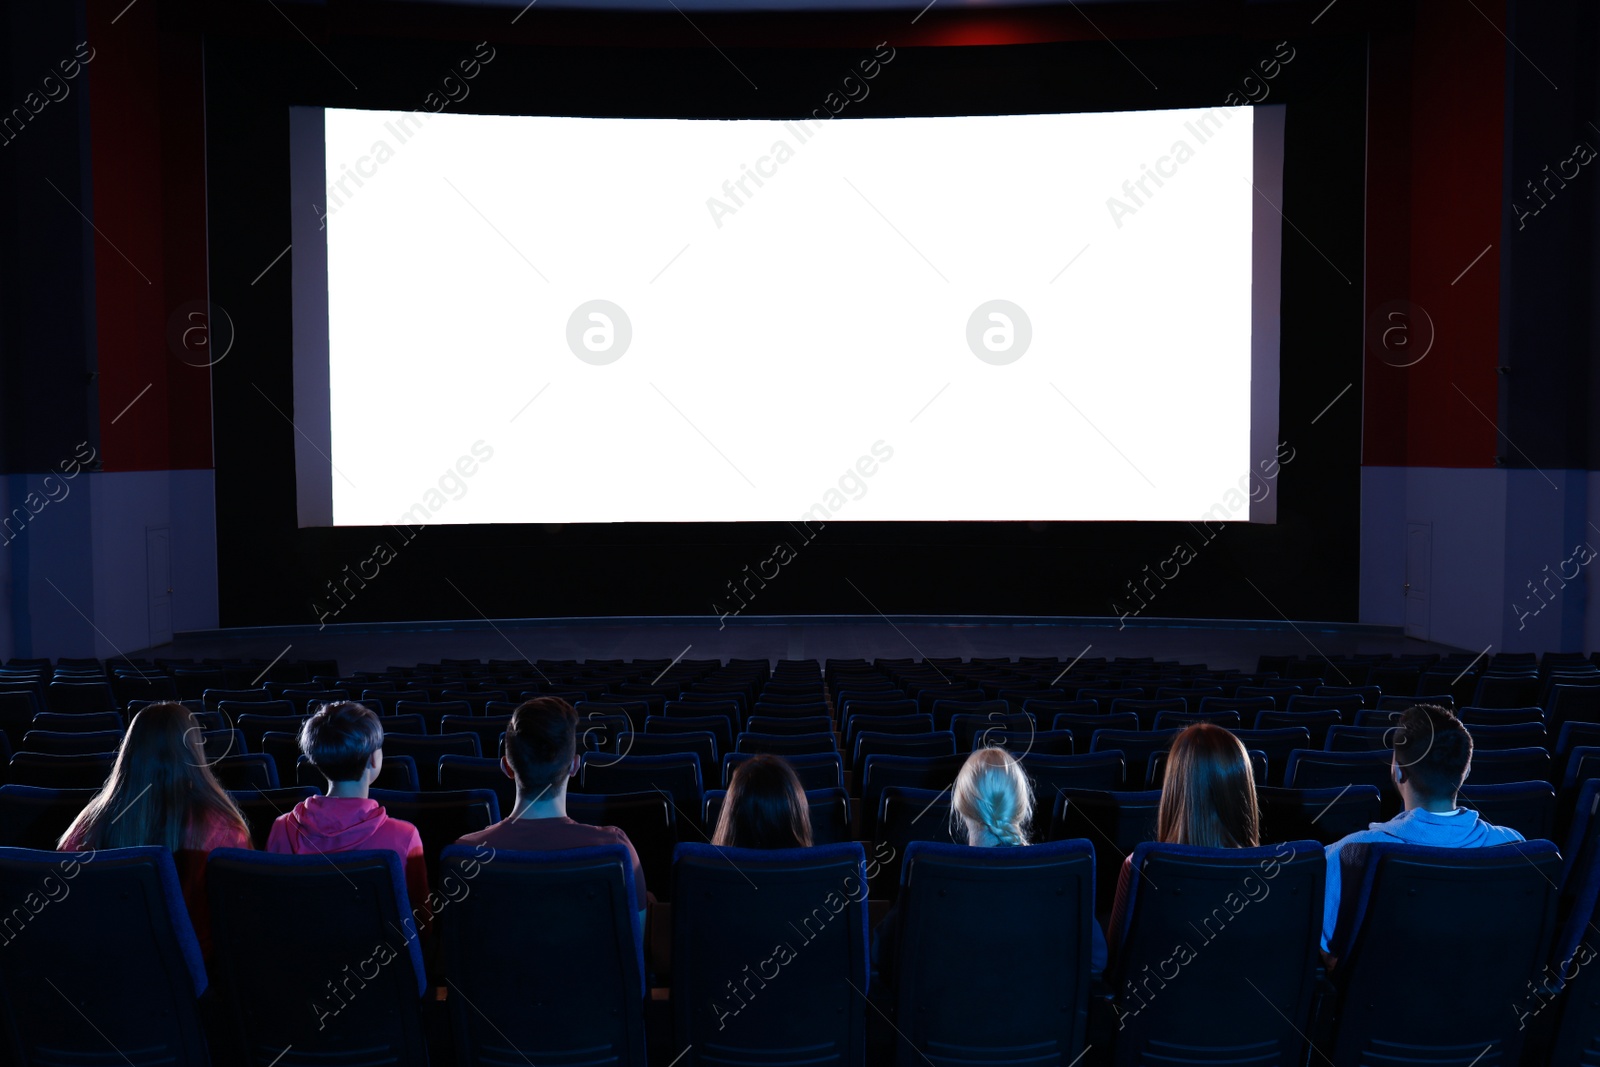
column 1432, row 758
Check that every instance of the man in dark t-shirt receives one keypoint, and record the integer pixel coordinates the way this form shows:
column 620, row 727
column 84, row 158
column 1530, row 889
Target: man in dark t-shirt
column 541, row 755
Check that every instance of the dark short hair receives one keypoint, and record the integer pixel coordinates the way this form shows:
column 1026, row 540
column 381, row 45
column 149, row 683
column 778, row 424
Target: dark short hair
column 1432, row 748
column 541, row 740
column 340, row 738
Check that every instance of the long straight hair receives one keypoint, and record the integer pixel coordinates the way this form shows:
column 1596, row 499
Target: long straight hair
column 1209, row 797
column 161, row 790
column 765, row 807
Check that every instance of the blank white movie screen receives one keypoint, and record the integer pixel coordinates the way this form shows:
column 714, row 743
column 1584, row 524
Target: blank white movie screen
column 558, row 320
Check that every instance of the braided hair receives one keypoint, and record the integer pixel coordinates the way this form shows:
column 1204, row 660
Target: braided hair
column 992, row 792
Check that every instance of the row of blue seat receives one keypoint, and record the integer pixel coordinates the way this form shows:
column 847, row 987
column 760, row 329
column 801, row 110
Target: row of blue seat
column 543, row 960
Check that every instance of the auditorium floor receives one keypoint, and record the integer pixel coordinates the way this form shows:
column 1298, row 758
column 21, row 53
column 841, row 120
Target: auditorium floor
column 1216, row 643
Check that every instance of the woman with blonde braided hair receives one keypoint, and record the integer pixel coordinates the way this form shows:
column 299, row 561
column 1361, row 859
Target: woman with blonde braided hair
column 991, row 806
column 991, row 801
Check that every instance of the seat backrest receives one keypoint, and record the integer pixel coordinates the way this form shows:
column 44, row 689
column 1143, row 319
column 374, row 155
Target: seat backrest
column 906, row 815
column 971, row 731
column 1025, row 1004
column 1348, row 705
column 789, row 724
column 785, row 744
column 1022, row 743
column 1113, row 821
column 441, row 817
column 1148, row 709
column 1529, row 808
column 81, row 696
column 676, row 776
column 81, row 721
column 1210, row 923
column 71, row 743
column 253, row 726
column 719, row 726
column 427, row 748
column 794, row 920
column 250, row 770
column 1499, row 766
column 856, row 724
column 141, row 996
column 1316, row 722
column 1486, row 738
column 1324, row 815
column 1483, row 917
column 261, row 807
column 1276, row 746
column 650, row 822
column 872, row 743
column 1570, row 969
column 213, row 697
column 1090, row 770
column 1343, row 738
column 59, row 772
column 1320, row 770
column 916, row 772
column 1166, row 720
column 369, row 1008
column 1136, row 748
column 503, row 1010
column 35, row 817
column 821, row 770
column 1083, row 726
column 700, row 743
column 462, row 772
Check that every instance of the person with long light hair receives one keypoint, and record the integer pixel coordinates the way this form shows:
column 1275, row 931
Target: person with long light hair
column 991, row 803
column 161, row 792
column 991, row 806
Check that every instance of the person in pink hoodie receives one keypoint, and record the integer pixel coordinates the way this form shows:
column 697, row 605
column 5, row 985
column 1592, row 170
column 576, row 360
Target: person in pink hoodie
column 344, row 741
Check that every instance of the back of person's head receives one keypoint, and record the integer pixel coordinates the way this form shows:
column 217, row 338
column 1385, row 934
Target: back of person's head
column 160, row 789
column 340, row 739
column 1432, row 751
column 992, row 793
column 765, row 807
column 541, row 740
column 1209, row 796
